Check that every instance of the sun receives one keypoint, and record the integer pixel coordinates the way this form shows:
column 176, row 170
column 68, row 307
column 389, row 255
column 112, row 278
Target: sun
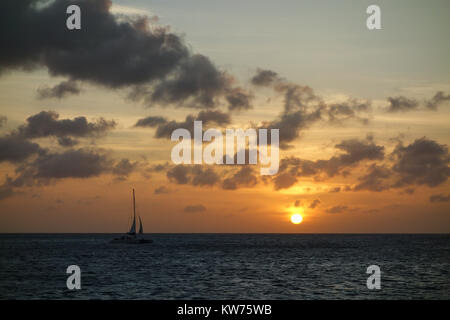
column 296, row 218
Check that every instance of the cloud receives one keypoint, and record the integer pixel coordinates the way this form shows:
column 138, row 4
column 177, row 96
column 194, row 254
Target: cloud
column 350, row 109
column 67, row 142
column 437, row 99
column 164, row 127
column 47, row 123
column 151, row 122
column 105, row 51
column 244, row 177
column 197, row 83
column 423, row 162
column 337, row 209
column 403, row 104
column 114, row 51
column 374, row 180
column 161, row 190
column 355, row 151
column 202, row 176
column 179, row 174
column 303, row 108
column 195, row 208
column 400, row 103
column 314, row 204
column 440, row 198
column 59, row 91
column 264, row 77
column 80, row 163
column 124, row 168
column 284, row 181
column 195, row 175
column 16, row 149
column 238, row 99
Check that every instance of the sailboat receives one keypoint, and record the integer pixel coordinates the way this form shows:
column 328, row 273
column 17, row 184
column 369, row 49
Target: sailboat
column 131, row 236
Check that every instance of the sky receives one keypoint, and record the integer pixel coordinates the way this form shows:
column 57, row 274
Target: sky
column 86, row 115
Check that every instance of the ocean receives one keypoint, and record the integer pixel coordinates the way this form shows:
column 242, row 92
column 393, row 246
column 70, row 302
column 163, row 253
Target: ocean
column 225, row 266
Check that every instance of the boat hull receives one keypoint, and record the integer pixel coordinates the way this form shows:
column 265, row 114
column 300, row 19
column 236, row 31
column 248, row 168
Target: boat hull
column 130, row 241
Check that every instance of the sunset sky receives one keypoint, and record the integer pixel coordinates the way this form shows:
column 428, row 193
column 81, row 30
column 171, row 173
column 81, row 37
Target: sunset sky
column 86, row 115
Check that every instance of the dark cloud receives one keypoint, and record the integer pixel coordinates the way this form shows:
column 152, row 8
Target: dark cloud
column 284, row 181
column 195, row 175
column 375, row 179
column 16, row 149
column 74, row 163
column 358, row 150
column 164, row 127
column 423, row 162
column 439, row 198
column 161, row 190
column 204, row 176
column 179, row 174
column 355, row 151
column 67, row 142
column 59, row 91
column 297, row 203
column 437, row 99
column 111, row 51
column 151, row 122
column 303, row 108
column 339, row 112
column 79, row 163
column 195, row 208
column 105, row 51
column 124, row 168
column 159, row 167
column 238, row 99
column 47, row 167
column 264, row 77
column 197, row 84
column 47, row 123
column 292, row 123
column 400, row 103
column 337, row 209
column 244, row 177
column 314, row 204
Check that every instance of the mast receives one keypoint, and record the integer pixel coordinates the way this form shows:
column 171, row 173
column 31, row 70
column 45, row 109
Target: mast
column 133, row 226
column 134, row 208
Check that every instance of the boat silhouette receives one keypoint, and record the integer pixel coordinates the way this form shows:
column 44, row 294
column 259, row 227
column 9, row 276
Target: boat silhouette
column 131, row 237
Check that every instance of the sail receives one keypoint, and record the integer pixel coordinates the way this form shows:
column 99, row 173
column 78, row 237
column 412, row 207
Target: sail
column 133, row 227
column 141, row 230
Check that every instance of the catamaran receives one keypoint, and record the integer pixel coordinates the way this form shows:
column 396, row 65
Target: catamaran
column 131, row 236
